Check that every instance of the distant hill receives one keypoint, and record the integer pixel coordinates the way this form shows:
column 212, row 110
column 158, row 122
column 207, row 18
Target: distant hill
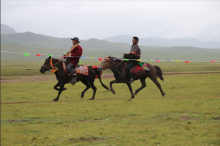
column 37, row 40
column 5, row 29
column 41, row 44
column 163, row 42
column 161, row 53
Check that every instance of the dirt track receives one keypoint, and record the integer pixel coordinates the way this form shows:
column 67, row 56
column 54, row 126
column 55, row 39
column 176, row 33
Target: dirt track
column 52, row 77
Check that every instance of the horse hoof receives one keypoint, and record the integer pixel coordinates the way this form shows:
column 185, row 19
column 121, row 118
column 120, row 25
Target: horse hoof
column 113, row 91
column 91, row 99
column 163, row 94
column 64, row 89
column 54, row 100
column 130, row 99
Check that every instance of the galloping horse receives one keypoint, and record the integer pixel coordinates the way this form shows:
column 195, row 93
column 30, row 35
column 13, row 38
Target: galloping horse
column 63, row 77
column 117, row 66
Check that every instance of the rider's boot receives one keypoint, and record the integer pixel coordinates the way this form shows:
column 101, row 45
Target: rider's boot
column 73, row 80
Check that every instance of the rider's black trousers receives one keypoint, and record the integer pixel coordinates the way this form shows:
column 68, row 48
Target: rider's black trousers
column 128, row 67
column 69, row 68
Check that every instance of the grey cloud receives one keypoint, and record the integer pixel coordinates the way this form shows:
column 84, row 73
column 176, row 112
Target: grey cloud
column 101, row 19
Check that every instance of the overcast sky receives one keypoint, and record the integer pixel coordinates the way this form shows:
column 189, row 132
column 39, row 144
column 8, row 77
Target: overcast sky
column 101, row 19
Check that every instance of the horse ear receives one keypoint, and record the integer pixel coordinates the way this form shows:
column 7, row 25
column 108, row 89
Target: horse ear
column 49, row 57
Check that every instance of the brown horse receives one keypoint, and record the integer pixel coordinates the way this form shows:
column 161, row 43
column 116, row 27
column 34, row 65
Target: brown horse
column 117, row 66
column 63, row 77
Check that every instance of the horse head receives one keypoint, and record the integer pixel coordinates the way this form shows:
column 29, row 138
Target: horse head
column 47, row 65
column 108, row 62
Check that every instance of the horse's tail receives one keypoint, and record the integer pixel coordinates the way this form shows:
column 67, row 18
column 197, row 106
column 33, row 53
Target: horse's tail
column 159, row 72
column 98, row 73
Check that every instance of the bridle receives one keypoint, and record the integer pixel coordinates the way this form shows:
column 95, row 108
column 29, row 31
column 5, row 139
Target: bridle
column 51, row 65
column 110, row 65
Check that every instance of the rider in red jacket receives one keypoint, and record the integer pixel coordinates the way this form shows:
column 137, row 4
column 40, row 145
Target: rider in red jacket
column 75, row 53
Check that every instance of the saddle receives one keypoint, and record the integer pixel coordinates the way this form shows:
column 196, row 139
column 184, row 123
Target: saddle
column 140, row 67
column 79, row 69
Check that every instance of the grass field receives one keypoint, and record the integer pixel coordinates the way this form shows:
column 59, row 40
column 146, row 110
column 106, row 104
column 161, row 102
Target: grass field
column 188, row 115
column 30, row 68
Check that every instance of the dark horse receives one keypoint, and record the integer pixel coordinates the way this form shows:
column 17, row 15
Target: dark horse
column 117, row 66
column 63, row 77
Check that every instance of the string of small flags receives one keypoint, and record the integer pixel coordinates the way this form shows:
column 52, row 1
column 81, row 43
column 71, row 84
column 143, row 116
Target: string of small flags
column 101, row 59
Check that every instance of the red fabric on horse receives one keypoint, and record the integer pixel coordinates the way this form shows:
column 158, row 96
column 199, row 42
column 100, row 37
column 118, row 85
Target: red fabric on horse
column 94, row 67
column 137, row 69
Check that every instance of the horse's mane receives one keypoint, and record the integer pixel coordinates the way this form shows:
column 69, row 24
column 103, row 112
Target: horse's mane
column 114, row 58
column 55, row 59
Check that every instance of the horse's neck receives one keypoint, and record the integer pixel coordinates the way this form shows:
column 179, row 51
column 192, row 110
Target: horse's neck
column 119, row 70
column 59, row 72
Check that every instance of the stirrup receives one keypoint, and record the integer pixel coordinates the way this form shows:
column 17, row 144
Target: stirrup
column 131, row 80
column 73, row 81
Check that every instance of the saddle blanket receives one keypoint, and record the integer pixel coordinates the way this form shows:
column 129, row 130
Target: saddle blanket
column 83, row 69
column 138, row 68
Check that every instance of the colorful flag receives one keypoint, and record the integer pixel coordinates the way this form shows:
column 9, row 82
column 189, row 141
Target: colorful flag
column 158, row 61
column 38, row 55
column 213, row 61
column 91, row 57
column 26, row 54
column 187, row 61
column 50, row 55
column 100, row 59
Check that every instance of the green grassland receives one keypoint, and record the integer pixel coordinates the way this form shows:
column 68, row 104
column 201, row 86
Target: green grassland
column 188, row 115
column 32, row 68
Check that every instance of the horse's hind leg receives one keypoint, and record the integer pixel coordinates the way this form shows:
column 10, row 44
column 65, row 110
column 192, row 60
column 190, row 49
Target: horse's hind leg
column 130, row 88
column 154, row 79
column 91, row 84
column 87, row 87
column 143, row 86
column 111, row 89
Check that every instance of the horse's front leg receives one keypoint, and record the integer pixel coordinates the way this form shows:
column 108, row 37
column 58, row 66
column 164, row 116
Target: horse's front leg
column 60, row 90
column 130, row 88
column 57, row 85
column 111, row 89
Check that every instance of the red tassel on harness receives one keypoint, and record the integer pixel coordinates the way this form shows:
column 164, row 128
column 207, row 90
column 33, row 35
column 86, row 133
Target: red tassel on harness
column 100, row 71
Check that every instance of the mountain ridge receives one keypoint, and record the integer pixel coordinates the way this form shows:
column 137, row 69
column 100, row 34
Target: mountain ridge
column 5, row 29
column 163, row 42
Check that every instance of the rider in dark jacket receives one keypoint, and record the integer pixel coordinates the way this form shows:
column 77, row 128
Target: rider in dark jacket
column 135, row 53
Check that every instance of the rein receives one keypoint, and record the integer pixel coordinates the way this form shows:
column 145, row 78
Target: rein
column 110, row 65
column 53, row 66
